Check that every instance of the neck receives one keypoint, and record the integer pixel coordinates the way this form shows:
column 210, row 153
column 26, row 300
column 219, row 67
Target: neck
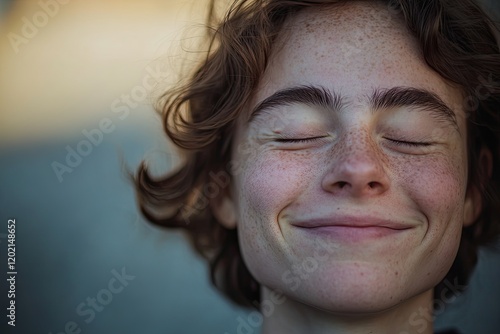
column 292, row 317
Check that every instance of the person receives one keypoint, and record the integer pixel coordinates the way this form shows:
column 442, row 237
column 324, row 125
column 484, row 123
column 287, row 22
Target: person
column 340, row 159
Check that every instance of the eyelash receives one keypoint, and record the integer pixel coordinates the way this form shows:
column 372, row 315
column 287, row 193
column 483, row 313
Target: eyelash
column 408, row 143
column 298, row 140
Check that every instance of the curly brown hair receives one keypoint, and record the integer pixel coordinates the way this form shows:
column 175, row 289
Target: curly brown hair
column 458, row 41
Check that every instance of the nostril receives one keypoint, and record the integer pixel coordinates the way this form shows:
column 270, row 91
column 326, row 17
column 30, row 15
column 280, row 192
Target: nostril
column 341, row 184
column 372, row 184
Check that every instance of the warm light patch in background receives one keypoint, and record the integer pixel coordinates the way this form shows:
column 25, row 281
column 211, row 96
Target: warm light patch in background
column 67, row 71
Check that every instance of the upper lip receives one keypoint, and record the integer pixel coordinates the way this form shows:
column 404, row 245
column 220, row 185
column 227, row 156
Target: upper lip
column 352, row 221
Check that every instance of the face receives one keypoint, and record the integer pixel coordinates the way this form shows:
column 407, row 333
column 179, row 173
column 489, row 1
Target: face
column 353, row 193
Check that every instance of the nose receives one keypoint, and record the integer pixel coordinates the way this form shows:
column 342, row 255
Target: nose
column 357, row 171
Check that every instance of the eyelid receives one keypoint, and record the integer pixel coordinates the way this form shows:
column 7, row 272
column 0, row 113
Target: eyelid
column 408, row 143
column 285, row 139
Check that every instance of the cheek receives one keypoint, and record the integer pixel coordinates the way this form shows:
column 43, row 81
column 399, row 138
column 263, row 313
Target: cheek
column 273, row 180
column 437, row 187
column 435, row 183
column 265, row 187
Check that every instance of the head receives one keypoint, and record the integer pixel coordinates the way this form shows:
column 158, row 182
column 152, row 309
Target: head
column 309, row 117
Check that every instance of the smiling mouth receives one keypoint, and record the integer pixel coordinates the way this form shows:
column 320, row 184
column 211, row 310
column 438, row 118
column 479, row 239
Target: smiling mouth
column 353, row 228
column 353, row 233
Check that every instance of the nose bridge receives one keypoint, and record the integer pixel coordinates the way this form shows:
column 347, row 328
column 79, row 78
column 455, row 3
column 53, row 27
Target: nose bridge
column 357, row 165
column 358, row 152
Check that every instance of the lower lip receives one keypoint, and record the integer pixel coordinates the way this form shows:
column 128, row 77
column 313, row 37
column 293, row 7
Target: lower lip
column 353, row 233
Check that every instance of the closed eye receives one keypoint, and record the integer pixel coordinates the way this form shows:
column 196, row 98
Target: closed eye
column 408, row 143
column 298, row 140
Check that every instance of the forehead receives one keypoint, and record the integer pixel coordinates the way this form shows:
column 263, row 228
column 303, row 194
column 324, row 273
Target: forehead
column 351, row 48
column 364, row 19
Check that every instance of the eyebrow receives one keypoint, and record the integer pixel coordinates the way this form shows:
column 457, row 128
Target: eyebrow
column 395, row 97
column 308, row 95
column 421, row 99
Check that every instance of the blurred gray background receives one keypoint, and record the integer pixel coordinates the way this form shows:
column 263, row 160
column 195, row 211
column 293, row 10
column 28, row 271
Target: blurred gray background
column 76, row 233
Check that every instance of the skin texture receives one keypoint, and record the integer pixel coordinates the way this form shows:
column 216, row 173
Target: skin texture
column 349, row 280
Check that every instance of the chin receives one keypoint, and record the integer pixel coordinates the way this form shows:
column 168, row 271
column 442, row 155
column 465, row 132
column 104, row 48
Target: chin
column 356, row 289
